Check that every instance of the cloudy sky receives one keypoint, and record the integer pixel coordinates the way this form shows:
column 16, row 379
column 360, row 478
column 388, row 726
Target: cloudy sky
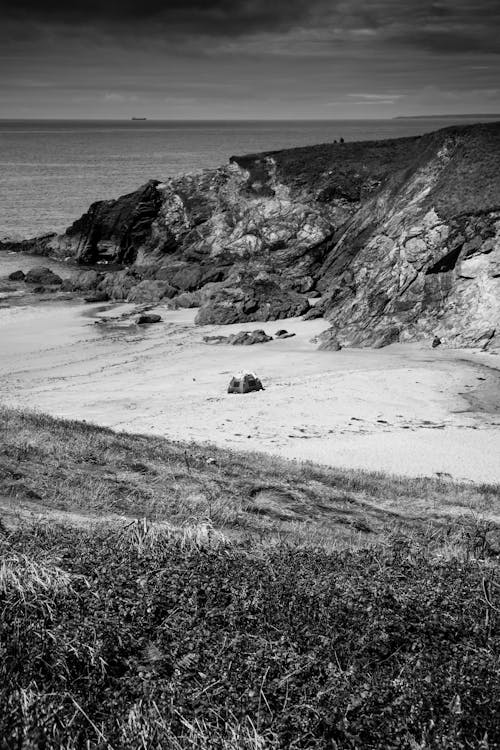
column 251, row 59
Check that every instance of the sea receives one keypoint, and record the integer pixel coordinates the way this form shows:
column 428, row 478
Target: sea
column 51, row 171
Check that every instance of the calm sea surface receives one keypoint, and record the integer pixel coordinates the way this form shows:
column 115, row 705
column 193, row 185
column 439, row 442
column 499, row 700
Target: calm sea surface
column 50, row 171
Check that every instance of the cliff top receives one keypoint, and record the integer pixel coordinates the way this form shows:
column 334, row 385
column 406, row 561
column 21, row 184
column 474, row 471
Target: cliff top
column 469, row 183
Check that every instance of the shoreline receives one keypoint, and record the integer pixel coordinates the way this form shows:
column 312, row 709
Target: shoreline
column 405, row 409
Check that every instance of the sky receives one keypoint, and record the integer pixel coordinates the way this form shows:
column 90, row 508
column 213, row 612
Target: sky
column 248, row 59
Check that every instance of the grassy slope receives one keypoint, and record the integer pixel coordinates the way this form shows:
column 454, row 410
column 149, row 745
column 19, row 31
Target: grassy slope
column 134, row 635
column 66, row 466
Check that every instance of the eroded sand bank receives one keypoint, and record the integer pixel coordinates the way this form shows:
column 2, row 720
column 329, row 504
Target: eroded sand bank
column 405, row 409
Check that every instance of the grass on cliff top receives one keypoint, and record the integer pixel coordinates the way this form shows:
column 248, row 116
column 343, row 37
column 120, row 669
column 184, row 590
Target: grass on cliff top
column 469, row 183
column 61, row 467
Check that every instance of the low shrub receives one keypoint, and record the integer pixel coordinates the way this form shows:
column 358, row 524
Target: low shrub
column 191, row 642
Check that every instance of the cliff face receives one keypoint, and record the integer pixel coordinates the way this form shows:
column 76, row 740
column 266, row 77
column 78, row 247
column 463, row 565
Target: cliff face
column 401, row 237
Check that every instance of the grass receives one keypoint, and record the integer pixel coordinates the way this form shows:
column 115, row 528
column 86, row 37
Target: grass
column 62, row 467
column 163, row 595
column 469, row 183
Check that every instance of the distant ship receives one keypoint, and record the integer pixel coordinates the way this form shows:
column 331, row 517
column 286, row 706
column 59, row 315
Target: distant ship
column 138, row 118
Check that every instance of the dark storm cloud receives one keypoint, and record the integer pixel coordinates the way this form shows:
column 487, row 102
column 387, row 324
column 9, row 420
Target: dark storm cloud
column 213, row 17
column 442, row 26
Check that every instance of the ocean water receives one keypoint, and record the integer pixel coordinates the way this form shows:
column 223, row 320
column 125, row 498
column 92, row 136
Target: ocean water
column 50, row 171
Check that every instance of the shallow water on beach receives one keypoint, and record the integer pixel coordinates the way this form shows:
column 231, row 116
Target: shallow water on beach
column 10, row 262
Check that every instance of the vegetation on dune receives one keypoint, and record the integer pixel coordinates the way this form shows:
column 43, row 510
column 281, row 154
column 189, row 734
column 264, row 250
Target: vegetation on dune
column 57, row 466
column 265, row 605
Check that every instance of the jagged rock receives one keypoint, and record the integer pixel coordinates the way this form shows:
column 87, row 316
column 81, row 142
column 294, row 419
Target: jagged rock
column 85, row 281
column 148, row 318
column 246, row 338
column 303, row 285
column 262, row 301
column 185, row 300
column 388, row 336
column 328, row 340
column 401, row 237
column 43, row 276
column 315, row 312
column 16, row 276
column 243, row 338
column 149, row 292
column 190, row 278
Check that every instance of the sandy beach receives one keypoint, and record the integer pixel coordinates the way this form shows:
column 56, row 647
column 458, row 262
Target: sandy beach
column 405, row 409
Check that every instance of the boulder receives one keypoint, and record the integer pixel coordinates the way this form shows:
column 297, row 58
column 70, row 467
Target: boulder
column 436, row 341
column 43, row 276
column 16, row 275
column 68, row 285
column 193, row 277
column 86, row 281
column 186, row 300
column 247, row 338
column 315, row 312
column 147, row 318
column 117, row 284
column 328, row 340
column 39, row 290
column 148, row 292
column 257, row 301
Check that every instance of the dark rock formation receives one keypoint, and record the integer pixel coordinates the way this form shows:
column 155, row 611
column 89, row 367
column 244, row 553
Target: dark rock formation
column 329, row 340
column 43, row 276
column 401, row 237
column 283, row 334
column 148, row 318
column 16, row 276
column 243, row 338
column 250, row 300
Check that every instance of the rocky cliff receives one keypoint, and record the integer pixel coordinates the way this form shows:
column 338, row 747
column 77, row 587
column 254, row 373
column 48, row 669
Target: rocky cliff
column 400, row 237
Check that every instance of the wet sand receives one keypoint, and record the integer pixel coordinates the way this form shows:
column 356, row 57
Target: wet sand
column 404, row 409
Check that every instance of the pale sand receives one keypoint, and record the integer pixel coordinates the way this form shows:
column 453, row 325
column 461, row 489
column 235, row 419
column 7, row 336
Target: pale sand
column 397, row 409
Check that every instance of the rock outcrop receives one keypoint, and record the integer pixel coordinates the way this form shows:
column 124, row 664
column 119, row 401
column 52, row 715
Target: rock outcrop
column 43, row 276
column 401, row 238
